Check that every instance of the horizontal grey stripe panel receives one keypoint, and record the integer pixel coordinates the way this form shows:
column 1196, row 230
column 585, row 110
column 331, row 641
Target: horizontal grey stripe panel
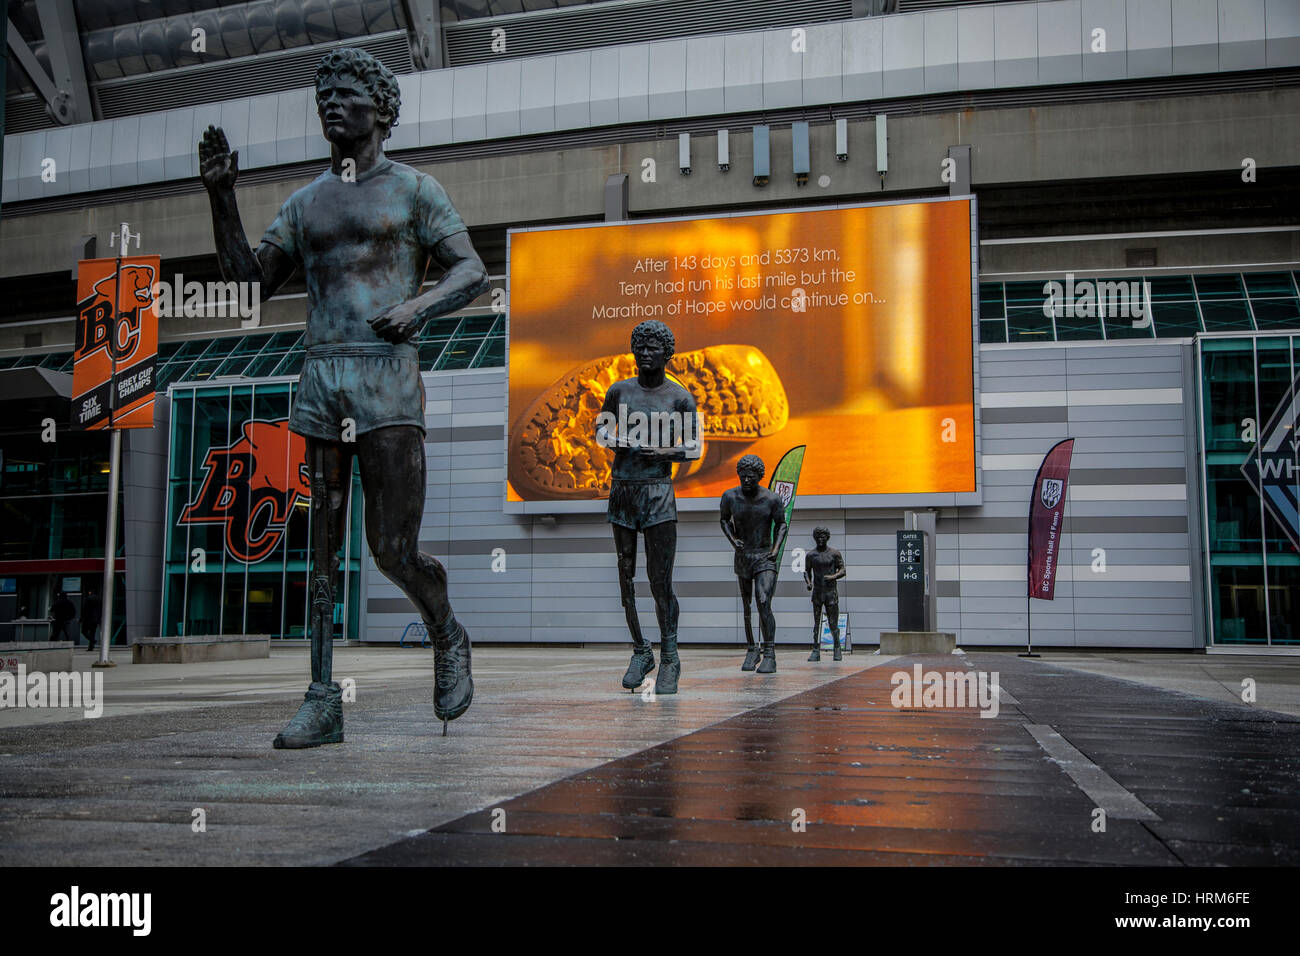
column 494, row 537
column 467, row 433
column 784, row 589
column 1073, row 524
column 1007, row 46
column 1007, row 416
column 1125, row 476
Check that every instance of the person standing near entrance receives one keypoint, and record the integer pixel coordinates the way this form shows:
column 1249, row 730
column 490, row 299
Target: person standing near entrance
column 62, row 612
column 92, row 609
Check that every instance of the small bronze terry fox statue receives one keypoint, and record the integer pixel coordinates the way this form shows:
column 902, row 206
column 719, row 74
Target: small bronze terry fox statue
column 650, row 422
column 753, row 519
column 363, row 233
column 822, row 567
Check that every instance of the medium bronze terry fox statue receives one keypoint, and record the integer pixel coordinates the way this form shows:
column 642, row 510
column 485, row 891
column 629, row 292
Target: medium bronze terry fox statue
column 822, row 567
column 753, row 519
column 363, row 233
column 650, row 422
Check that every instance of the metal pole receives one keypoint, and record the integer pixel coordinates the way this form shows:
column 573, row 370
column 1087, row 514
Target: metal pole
column 1029, row 627
column 110, row 550
column 114, row 466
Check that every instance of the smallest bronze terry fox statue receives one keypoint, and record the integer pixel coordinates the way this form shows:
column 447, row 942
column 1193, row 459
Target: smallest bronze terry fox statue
column 822, row 567
column 753, row 519
column 649, row 422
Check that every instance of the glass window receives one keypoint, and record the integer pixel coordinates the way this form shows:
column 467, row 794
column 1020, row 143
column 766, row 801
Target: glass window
column 494, row 353
column 444, row 326
column 1175, row 319
column 1267, row 284
column 1223, row 286
column 430, row 351
column 1025, row 319
column 1120, row 326
column 992, row 305
column 1078, row 327
column 291, row 364
column 1254, row 566
column 265, row 364
column 1226, row 315
column 1276, row 313
column 1170, row 288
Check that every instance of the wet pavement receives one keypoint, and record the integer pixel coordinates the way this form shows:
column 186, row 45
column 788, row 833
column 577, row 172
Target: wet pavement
column 813, row 765
column 837, row 775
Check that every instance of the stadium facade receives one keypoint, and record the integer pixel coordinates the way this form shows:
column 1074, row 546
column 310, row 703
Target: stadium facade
column 1152, row 142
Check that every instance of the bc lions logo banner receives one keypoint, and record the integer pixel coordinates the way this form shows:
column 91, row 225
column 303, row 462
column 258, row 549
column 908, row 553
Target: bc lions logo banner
column 116, row 343
column 251, row 486
column 1047, row 518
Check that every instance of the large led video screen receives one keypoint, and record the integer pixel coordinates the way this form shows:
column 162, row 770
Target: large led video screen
column 848, row 330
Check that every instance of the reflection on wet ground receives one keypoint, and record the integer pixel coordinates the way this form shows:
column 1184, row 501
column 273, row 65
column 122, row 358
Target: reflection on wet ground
column 838, row 775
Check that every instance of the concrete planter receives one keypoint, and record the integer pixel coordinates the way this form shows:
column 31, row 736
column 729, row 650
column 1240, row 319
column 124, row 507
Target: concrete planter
column 196, row 648
column 917, row 642
column 45, row 656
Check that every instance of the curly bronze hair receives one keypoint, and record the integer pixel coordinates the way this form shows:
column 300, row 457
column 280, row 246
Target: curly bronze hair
column 751, row 463
column 378, row 80
column 819, row 531
column 655, row 330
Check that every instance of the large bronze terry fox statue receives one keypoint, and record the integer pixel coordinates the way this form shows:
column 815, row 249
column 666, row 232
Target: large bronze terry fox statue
column 363, row 233
column 753, row 519
column 650, row 422
column 823, row 566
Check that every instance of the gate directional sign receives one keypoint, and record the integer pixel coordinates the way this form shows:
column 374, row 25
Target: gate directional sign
column 1273, row 468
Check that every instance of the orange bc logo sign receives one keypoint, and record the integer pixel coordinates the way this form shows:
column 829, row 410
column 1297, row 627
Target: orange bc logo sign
column 116, row 343
column 251, row 487
column 96, row 328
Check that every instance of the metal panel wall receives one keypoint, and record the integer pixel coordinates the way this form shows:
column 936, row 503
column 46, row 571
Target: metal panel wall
column 941, row 51
column 1124, row 403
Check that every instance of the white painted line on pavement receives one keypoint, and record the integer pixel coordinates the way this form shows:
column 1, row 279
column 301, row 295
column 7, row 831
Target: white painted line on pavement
column 1099, row 786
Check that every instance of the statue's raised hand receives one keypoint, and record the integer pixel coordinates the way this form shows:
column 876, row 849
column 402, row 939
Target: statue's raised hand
column 218, row 166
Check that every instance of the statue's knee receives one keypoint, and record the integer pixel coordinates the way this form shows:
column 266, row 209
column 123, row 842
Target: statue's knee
column 392, row 562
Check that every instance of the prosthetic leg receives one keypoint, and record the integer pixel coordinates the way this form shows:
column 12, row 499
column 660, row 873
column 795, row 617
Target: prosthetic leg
column 660, row 549
column 752, row 650
column 765, row 584
column 833, row 618
column 816, row 654
column 320, row 717
column 643, row 658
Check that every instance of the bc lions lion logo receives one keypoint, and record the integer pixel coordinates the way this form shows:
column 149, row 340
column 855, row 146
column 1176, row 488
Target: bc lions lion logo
column 251, row 488
column 95, row 323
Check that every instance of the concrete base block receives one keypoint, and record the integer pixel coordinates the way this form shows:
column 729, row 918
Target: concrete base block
column 196, row 648
column 45, row 657
column 917, row 642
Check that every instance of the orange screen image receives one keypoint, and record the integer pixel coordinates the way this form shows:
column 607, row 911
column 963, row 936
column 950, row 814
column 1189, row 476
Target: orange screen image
column 847, row 330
